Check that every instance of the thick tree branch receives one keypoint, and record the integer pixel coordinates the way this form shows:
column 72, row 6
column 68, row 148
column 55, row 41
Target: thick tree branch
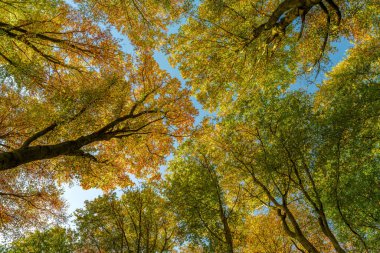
column 26, row 153
column 285, row 14
column 7, row 29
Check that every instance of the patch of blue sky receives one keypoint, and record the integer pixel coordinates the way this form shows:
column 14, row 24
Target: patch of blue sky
column 76, row 196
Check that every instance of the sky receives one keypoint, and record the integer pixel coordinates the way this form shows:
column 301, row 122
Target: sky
column 75, row 196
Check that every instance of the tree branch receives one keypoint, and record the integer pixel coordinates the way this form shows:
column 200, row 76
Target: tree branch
column 39, row 134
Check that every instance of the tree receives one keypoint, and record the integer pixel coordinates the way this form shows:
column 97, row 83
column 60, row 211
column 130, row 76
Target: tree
column 44, row 37
column 55, row 239
column 263, row 43
column 74, row 90
column 288, row 145
column 153, row 99
column 62, row 76
column 138, row 221
column 349, row 104
column 94, row 129
column 298, row 148
column 207, row 211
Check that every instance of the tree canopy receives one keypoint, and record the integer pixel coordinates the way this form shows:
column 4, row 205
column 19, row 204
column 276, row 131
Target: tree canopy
column 286, row 158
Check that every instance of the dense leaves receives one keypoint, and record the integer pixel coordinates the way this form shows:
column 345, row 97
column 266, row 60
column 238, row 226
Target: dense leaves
column 262, row 43
column 274, row 168
column 137, row 222
column 209, row 213
column 145, row 22
column 70, row 99
column 55, row 239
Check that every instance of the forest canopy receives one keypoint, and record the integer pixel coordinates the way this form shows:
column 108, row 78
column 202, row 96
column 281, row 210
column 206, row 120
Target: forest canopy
column 266, row 141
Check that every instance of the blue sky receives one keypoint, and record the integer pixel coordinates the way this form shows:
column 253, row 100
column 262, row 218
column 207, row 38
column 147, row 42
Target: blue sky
column 76, row 196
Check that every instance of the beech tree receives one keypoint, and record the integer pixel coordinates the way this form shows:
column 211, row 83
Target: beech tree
column 139, row 85
column 144, row 22
column 283, row 142
column 289, row 151
column 138, row 221
column 87, row 126
column 70, row 100
column 266, row 234
column 209, row 212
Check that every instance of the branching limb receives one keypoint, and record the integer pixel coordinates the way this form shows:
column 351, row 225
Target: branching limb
column 328, row 20
column 303, row 18
column 285, row 224
column 39, row 134
column 336, row 9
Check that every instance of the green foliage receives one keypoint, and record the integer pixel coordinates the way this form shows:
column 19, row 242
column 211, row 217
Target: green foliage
column 348, row 103
column 56, row 239
column 208, row 211
column 135, row 222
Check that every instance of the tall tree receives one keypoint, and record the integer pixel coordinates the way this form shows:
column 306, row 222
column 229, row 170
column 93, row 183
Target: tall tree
column 42, row 37
column 208, row 210
column 348, row 104
column 135, row 222
column 299, row 148
column 28, row 200
column 265, row 233
column 88, row 125
column 288, row 145
column 73, row 106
